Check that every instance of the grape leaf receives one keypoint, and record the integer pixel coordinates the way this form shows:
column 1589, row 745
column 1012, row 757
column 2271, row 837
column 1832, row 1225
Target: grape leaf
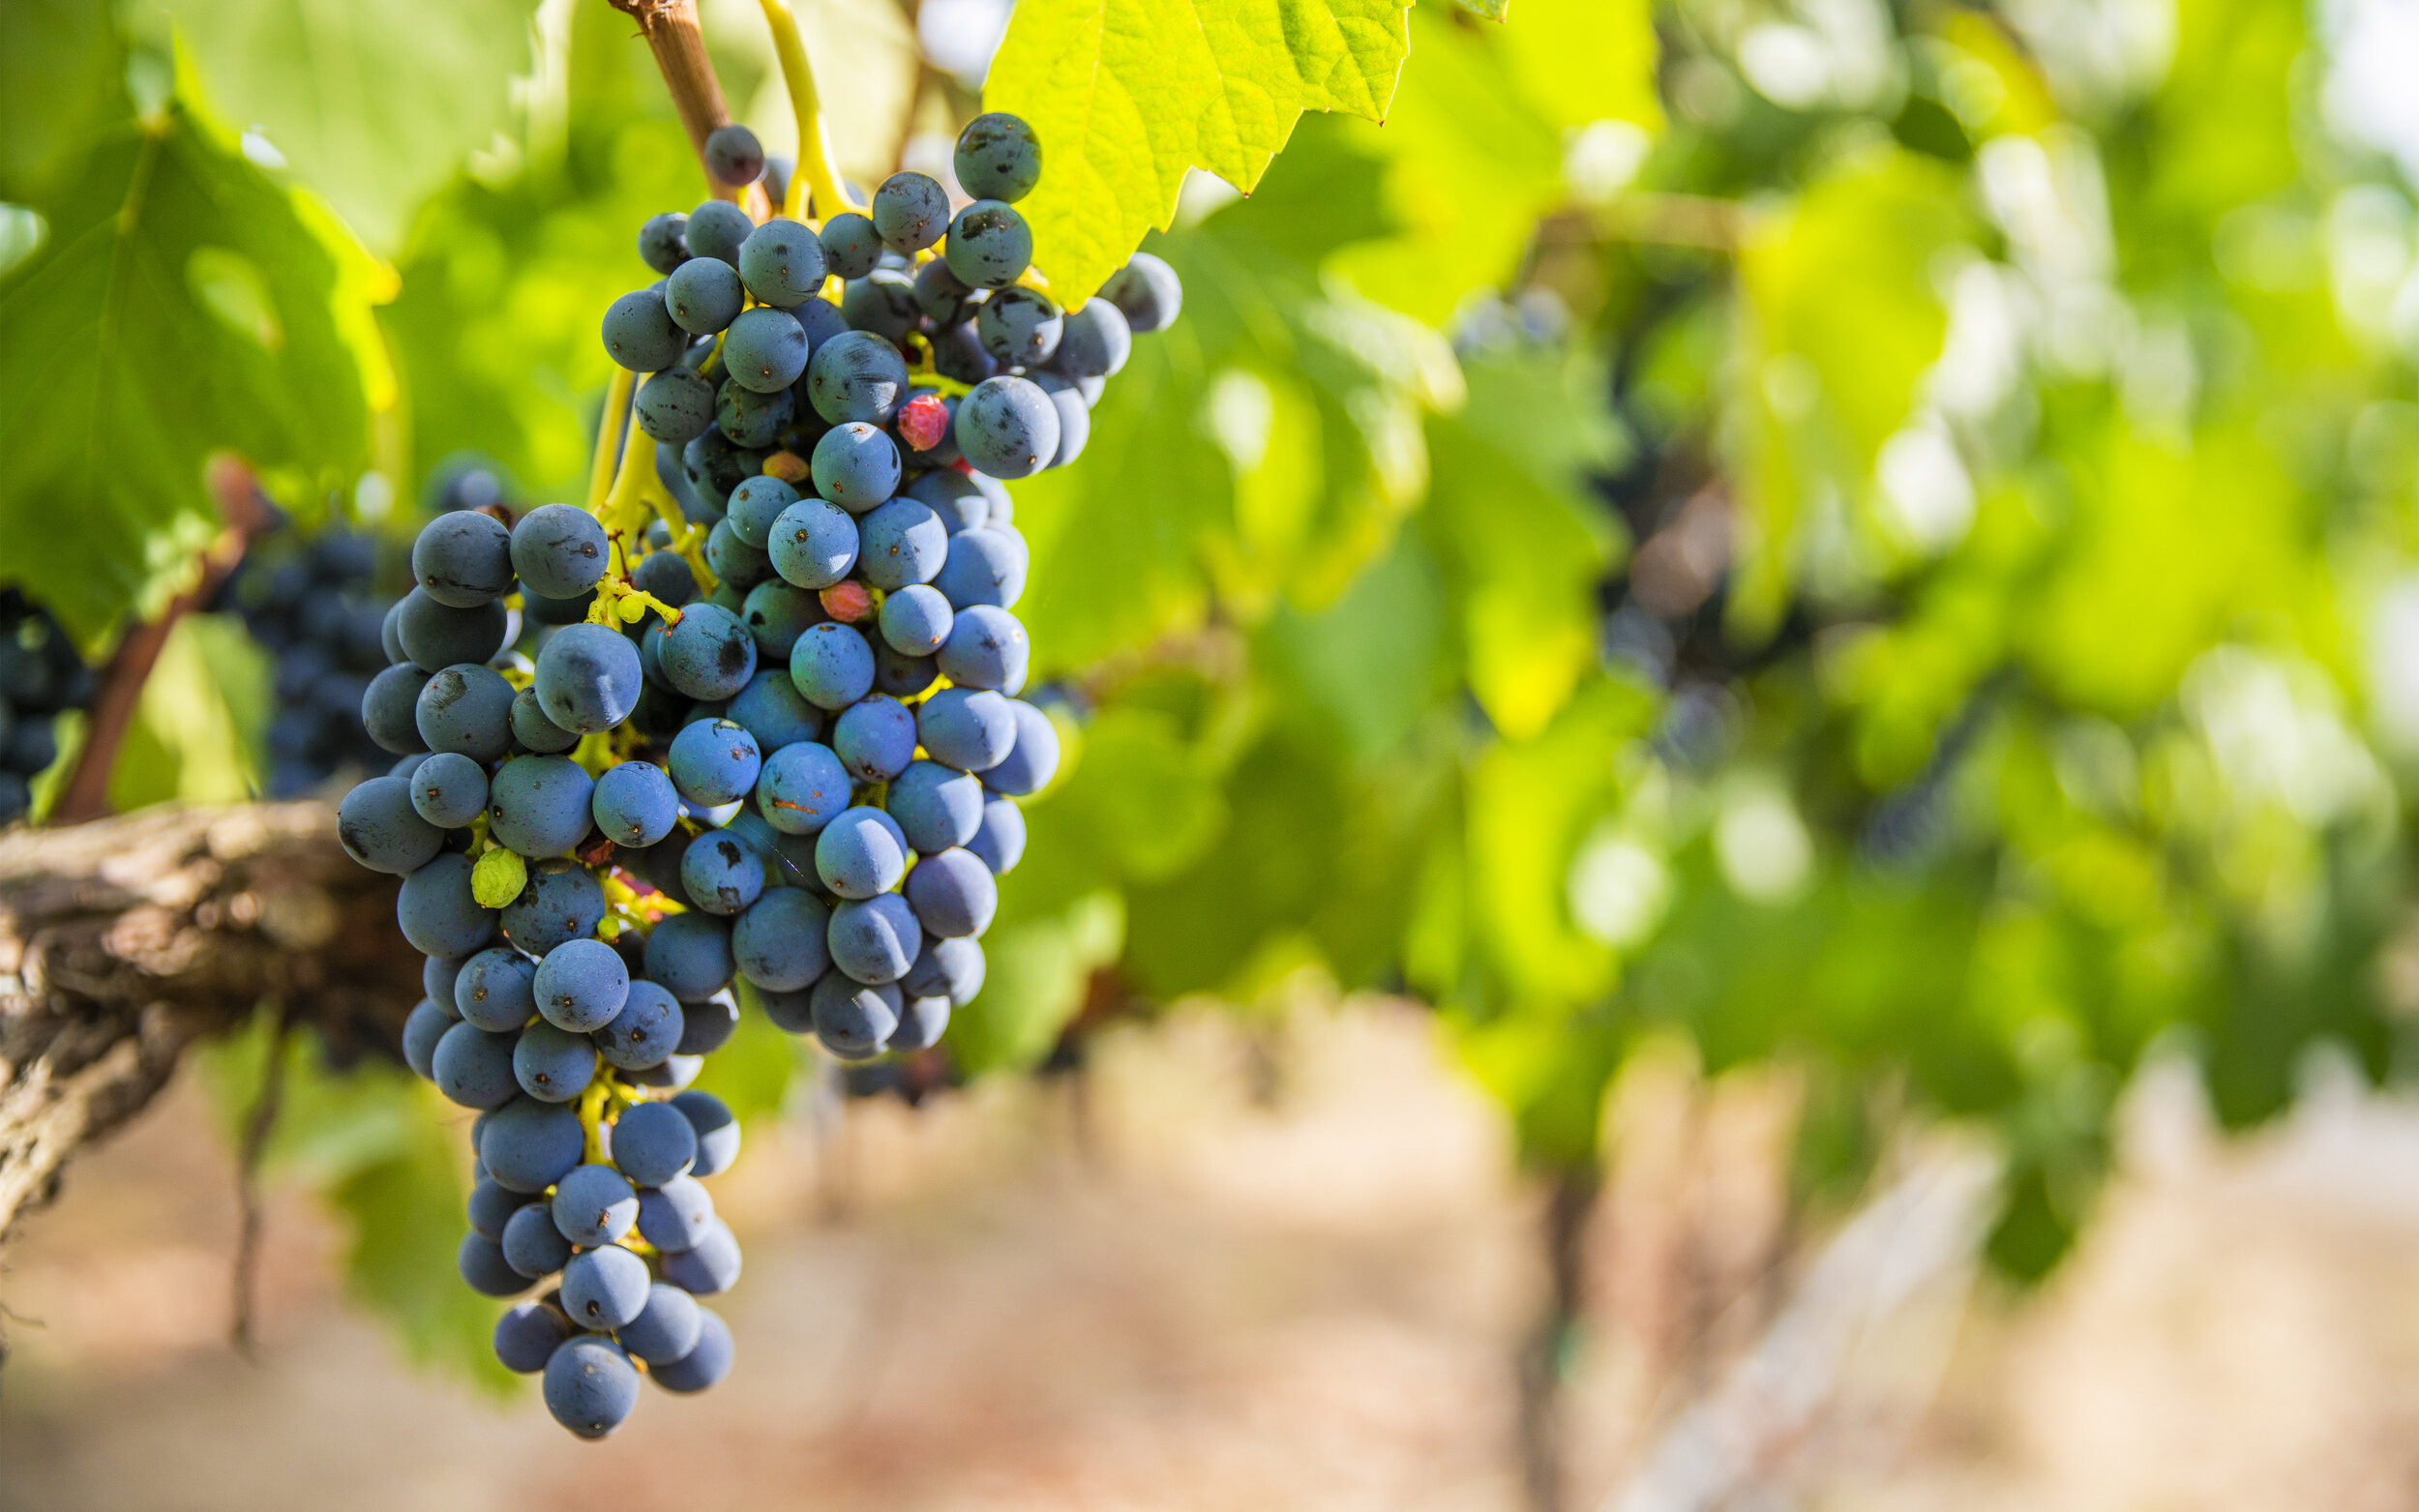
column 372, row 105
column 61, row 80
column 1129, row 95
column 171, row 258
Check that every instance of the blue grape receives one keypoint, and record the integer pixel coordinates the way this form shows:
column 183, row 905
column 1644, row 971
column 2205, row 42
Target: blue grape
column 1021, row 327
column 536, row 609
column 782, row 263
column 689, row 955
column 709, row 1267
column 717, row 1132
column 736, row 563
column 467, row 710
column 875, row 738
column 673, row 405
column 474, row 1066
column 802, row 788
column 1147, row 292
column 901, row 676
column 764, row 349
column 559, row 550
column 448, row 790
column 646, row 1031
column 639, row 333
column 528, row 1336
column 581, row 984
column 709, row 654
column 985, row 566
column 934, row 806
column 703, row 295
column 752, row 421
column 852, row 247
column 605, row 1288
column 857, row 376
column 590, row 1386
column 789, row 859
column 882, row 302
column 916, row 620
column 959, row 501
column 560, row 901
column 832, row 666
column 714, row 762
column 873, row 940
column 718, row 228
column 812, row 545
column 435, row 635
column 437, row 911
column 958, row 354
column 667, row 1329
column 529, row 1145
column 390, row 710
column 778, row 942
column 755, row 504
column 853, row 1019
column 660, row 247
column 999, row 841
column 588, row 678
column 554, row 1065
column 734, row 156
column 942, row 295
column 902, row 543
column 821, row 320
column 861, row 852
column 497, row 990
column 1074, row 416
column 1031, row 762
column 492, row 1206
column 438, row 974
column 533, row 732
column 990, row 245
column 1095, row 342
column 791, row 1013
column 380, row 826
column 911, row 211
column 538, row 805
column 714, row 467
column 997, row 156
column 666, row 576
column 969, row 729
column 855, row 465
column 950, row 968
column 634, row 804
column 1007, row 428
column 594, row 1207
column 652, row 1143
column 709, row 1025
column 986, row 648
column 922, row 1021
column 674, row 1215
column 776, row 613
column 426, row 1025
column 771, row 710
column 704, row 1366
column 953, row 895
column 721, row 875
column 532, row 1246
column 483, row 1268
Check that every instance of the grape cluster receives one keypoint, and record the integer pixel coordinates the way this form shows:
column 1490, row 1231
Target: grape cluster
column 317, row 611
column 765, row 736
column 41, row 677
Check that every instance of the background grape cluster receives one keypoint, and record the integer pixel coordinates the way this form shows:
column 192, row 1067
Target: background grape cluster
column 41, row 676
column 314, row 604
column 752, row 725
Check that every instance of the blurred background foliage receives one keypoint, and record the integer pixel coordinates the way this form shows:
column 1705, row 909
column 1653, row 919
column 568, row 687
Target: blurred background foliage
column 1877, row 538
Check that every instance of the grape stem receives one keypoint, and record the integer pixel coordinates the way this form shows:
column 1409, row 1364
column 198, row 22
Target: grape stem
column 671, row 30
column 246, row 511
column 609, row 428
column 817, row 172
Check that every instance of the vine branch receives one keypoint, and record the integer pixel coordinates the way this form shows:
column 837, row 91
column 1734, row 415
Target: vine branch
column 671, row 33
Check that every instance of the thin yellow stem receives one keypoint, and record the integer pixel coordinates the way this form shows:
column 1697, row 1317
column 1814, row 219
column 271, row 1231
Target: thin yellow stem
column 608, row 434
column 816, row 170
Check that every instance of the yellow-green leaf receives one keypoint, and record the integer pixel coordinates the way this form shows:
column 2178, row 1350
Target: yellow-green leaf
column 1128, row 95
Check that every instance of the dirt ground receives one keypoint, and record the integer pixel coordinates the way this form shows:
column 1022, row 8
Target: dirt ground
column 1287, row 1275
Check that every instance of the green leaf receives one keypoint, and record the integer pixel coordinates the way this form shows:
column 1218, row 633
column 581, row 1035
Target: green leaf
column 1485, row 10
column 62, row 82
column 373, row 106
column 1128, row 95
column 184, row 304
column 191, row 739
